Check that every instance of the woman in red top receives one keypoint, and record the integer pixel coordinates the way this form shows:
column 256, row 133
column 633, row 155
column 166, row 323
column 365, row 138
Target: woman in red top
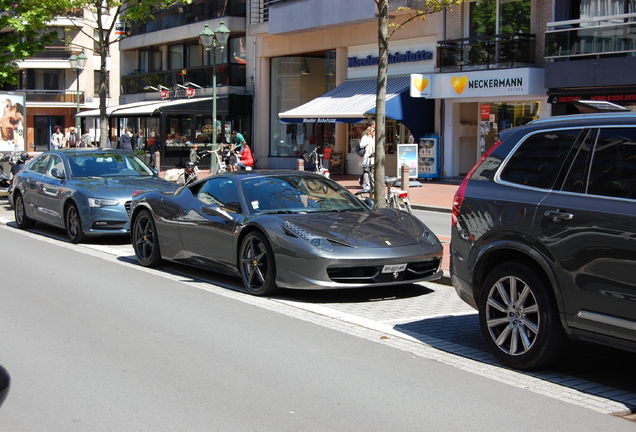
column 247, row 159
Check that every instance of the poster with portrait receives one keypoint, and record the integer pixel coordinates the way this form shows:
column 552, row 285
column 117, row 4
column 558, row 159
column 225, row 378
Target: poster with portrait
column 12, row 122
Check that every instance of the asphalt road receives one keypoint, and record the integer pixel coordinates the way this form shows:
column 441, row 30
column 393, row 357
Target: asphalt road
column 94, row 342
column 427, row 321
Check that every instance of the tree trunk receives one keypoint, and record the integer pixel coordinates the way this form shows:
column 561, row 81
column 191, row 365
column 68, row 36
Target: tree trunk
column 380, row 102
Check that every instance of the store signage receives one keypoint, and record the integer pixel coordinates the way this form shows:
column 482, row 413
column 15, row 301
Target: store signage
column 176, row 93
column 421, row 85
column 319, row 120
column 485, row 112
column 623, row 97
column 416, row 55
column 393, row 58
column 494, row 83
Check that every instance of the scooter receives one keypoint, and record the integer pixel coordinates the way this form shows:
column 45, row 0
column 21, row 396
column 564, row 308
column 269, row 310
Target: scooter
column 18, row 164
column 183, row 176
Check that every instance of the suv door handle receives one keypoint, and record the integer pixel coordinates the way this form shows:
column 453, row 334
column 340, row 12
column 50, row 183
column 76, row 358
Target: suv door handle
column 558, row 216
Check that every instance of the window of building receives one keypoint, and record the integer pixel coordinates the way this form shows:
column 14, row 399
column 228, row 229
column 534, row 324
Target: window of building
column 149, row 61
column 493, row 17
column 175, row 57
column 45, row 79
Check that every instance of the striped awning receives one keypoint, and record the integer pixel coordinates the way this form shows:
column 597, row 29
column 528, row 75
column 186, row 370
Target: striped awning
column 347, row 103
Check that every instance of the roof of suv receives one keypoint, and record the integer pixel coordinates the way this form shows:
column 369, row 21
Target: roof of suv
column 582, row 118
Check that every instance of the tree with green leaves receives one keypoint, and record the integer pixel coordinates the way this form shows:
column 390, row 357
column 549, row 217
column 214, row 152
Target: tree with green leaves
column 106, row 15
column 385, row 31
column 23, row 29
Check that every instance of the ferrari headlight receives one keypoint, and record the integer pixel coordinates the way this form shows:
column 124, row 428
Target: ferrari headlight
column 101, row 202
column 316, row 241
column 428, row 236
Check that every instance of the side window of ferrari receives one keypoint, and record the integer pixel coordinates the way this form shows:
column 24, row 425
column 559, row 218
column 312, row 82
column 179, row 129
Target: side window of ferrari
column 221, row 191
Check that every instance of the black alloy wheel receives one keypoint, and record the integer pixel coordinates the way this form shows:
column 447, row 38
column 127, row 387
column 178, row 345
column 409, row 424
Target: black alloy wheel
column 73, row 224
column 519, row 318
column 145, row 240
column 256, row 265
column 21, row 219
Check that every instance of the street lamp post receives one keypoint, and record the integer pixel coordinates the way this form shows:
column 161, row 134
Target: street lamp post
column 77, row 64
column 213, row 41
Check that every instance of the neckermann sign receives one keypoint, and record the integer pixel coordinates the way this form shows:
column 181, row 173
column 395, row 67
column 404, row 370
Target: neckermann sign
column 492, row 83
column 405, row 57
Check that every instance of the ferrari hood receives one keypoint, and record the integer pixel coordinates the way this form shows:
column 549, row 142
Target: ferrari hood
column 362, row 229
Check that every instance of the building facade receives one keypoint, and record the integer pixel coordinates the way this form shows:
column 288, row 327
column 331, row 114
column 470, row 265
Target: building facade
column 54, row 91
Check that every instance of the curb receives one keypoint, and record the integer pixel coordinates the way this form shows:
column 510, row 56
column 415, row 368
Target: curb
column 415, row 206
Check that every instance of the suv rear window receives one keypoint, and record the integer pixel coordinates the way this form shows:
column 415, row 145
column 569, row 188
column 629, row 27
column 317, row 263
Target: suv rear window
column 538, row 160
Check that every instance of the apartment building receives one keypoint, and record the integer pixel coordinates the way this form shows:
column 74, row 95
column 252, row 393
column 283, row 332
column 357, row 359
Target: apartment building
column 591, row 53
column 55, row 91
column 167, row 78
column 478, row 69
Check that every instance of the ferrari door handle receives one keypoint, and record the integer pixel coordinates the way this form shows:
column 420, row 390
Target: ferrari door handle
column 558, row 216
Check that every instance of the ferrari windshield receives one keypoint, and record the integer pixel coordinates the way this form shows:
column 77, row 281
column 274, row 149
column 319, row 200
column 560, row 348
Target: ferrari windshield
column 105, row 164
column 296, row 194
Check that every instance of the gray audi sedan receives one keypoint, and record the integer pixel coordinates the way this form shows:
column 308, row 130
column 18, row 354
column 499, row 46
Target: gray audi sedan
column 85, row 191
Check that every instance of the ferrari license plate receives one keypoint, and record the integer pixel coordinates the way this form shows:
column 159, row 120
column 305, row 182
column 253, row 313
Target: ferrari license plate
column 393, row 268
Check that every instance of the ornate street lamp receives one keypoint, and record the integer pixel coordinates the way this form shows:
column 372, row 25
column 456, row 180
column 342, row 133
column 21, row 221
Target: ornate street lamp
column 78, row 62
column 213, row 41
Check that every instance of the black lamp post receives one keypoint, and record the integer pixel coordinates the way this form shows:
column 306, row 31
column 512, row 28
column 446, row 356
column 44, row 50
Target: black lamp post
column 78, row 62
column 213, row 41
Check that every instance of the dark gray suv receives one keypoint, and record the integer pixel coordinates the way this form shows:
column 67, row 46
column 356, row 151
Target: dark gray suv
column 544, row 238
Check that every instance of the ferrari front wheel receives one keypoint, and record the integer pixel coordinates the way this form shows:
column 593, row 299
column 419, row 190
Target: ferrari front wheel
column 145, row 240
column 256, row 265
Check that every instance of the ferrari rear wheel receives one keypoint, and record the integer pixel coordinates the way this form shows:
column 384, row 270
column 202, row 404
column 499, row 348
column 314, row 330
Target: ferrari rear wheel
column 145, row 240
column 256, row 265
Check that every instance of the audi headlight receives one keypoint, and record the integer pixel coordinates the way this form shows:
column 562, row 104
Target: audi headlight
column 102, row 202
column 316, row 241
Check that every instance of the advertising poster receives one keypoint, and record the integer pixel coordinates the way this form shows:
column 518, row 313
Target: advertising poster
column 12, row 122
column 428, row 167
column 407, row 154
column 336, row 163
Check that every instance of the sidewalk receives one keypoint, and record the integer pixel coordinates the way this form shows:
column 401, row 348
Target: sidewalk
column 430, row 195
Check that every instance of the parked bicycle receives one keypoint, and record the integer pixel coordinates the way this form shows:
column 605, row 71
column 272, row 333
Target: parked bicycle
column 313, row 163
column 396, row 198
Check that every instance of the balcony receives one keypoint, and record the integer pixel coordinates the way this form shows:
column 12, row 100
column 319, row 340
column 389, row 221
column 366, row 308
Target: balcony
column 608, row 36
column 232, row 74
column 53, row 52
column 54, row 97
column 182, row 14
column 504, row 51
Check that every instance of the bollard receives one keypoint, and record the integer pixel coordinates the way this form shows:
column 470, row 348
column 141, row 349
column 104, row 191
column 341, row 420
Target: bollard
column 404, row 178
column 300, row 164
column 158, row 161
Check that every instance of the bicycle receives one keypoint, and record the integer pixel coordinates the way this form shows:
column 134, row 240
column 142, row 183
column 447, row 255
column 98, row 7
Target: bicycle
column 313, row 163
column 396, row 198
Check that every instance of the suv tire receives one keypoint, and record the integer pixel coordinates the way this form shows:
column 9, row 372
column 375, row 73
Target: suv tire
column 519, row 318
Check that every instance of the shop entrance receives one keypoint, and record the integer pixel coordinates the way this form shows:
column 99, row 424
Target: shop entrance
column 480, row 124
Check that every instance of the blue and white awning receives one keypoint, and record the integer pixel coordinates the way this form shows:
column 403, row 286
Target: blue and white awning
column 347, row 103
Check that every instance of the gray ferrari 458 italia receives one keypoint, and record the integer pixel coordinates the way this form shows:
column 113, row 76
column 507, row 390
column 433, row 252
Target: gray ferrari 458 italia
column 287, row 229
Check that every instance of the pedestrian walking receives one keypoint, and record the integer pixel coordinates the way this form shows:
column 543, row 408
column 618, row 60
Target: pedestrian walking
column 57, row 138
column 125, row 141
column 71, row 139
